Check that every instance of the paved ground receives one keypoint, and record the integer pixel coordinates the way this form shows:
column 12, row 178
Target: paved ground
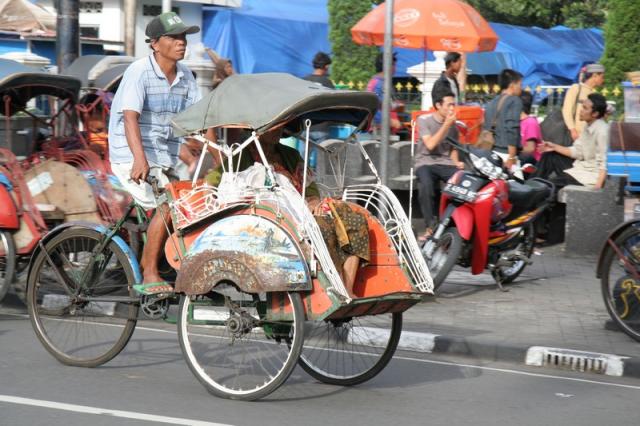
column 556, row 302
column 149, row 383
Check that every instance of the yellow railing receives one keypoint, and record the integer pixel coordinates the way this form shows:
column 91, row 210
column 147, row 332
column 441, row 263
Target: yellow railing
column 486, row 89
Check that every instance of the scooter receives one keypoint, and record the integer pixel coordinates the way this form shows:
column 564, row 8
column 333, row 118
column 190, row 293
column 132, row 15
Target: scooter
column 486, row 219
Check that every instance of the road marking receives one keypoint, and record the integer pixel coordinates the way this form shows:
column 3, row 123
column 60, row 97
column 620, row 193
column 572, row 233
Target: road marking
column 453, row 364
column 506, row 370
column 104, row 412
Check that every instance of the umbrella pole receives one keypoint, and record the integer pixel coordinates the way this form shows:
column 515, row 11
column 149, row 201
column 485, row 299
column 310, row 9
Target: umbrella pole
column 386, row 100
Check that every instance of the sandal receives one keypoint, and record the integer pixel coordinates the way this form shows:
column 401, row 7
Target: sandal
column 151, row 289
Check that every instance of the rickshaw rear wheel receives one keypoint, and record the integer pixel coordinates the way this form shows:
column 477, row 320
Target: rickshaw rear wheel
column 232, row 347
column 7, row 262
column 350, row 352
column 91, row 327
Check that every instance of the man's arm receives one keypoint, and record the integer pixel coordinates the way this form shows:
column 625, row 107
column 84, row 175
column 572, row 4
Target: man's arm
column 568, row 111
column 140, row 169
column 432, row 141
column 512, row 128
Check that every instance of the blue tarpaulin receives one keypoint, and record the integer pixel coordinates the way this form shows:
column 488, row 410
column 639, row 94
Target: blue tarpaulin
column 283, row 36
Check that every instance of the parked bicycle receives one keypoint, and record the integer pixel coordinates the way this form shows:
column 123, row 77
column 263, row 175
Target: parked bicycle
column 619, row 273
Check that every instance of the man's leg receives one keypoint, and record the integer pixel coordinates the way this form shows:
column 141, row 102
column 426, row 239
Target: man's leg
column 426, row 194
column 156, row 238
column 440, row 173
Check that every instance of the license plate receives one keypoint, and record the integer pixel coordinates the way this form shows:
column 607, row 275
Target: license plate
column 459, row 192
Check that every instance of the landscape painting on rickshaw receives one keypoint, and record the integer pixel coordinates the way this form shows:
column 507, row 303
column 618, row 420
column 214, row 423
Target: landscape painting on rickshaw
column 268, row 255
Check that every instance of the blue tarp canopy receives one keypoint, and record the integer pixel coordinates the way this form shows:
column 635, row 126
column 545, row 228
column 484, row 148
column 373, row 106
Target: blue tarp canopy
column 283, row 36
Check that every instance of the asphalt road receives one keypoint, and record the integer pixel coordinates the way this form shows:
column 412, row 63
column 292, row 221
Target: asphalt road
column 149, row 383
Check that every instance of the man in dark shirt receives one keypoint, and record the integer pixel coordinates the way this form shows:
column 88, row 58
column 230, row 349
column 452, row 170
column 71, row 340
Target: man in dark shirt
column 448, row 81
column 502, row 115
column 320, row 73
column 435, row 159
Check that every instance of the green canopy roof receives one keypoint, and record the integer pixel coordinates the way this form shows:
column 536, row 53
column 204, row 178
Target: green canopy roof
column 260, row 101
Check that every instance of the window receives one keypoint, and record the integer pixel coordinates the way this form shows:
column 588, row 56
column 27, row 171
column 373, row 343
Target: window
column 153, row 10
column 90, row 7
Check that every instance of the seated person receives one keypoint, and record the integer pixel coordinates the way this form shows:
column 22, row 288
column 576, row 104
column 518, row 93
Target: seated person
column 584, row 162
column 344, row 230
column 435, row 159
column 530, row 133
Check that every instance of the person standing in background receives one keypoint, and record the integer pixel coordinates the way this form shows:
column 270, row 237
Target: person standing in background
column 320, row 74
column 503, row 112
column 593, row 77
column 453, row 78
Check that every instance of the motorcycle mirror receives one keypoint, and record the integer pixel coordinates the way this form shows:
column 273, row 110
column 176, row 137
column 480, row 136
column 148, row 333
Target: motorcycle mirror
column 461, row 125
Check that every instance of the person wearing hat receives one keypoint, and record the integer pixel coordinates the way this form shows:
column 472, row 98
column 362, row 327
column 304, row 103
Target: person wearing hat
column 455, row 67
column 141, row 140
column 593, row 77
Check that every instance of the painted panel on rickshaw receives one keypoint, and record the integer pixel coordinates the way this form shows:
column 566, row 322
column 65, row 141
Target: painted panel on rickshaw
column 251, row 251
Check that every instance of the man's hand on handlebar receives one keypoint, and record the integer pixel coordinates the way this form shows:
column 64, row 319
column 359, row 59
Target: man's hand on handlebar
column 140, row 170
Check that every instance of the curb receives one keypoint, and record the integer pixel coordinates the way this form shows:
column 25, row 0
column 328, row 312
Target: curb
column 541, row 356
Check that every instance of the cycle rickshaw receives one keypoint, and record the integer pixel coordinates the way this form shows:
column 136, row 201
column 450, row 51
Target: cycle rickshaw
column 258, row 291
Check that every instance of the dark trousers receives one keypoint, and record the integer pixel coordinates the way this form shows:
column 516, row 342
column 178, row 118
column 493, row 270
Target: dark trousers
column 552, row 167
column 429, row 178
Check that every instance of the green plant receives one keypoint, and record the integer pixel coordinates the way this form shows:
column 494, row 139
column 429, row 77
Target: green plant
column 622, row 39
column 351, row 62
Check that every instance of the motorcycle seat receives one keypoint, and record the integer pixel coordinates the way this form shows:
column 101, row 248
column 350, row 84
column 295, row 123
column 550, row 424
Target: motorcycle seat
column 526, row 197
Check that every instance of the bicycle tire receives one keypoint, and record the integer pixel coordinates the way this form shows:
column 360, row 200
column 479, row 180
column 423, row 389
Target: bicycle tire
column 214, row 369
column 343, row 346
column 614, row 302
column 51, row 308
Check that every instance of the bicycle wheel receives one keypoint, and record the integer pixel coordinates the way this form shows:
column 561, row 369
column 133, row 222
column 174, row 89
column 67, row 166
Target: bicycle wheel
column 351, row 351
column 620, row 289
column 7, row 262
column 83, row 325
column 231, row 346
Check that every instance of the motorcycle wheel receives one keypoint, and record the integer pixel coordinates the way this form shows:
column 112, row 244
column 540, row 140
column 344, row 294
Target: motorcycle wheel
column 7, row 262
column 445, row 255
column 528, row 239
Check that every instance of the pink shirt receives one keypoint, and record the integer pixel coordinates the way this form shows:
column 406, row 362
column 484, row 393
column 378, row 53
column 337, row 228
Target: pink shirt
column 530, row 129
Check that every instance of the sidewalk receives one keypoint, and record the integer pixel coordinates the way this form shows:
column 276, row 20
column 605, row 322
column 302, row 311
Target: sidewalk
column 555, row 303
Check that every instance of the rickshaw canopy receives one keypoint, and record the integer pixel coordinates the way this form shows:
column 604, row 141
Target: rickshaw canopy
column 262, row 101
column 98, row 71
column 22, row 83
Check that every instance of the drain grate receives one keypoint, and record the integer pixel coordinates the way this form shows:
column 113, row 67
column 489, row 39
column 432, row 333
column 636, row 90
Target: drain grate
column 592, row 362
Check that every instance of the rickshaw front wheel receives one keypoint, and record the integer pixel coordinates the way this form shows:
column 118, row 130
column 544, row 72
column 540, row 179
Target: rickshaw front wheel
column 350, row 351
column 235, row 347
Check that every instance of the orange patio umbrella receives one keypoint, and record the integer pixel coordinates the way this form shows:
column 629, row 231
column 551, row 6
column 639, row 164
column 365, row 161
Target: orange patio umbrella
column 428, row 24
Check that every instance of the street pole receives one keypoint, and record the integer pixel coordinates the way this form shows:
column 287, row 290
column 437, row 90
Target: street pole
column 67, row 33
column 166, row 6
column 386, row 99
column 130, row 27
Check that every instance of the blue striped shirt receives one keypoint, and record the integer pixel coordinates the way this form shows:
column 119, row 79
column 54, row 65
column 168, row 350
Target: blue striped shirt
column 146, row 90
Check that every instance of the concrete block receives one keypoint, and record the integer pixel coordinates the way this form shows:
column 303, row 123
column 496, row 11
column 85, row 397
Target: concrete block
column 590, row 215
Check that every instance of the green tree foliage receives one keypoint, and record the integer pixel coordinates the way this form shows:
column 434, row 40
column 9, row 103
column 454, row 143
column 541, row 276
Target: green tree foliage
column 543, row 13
column 622, row 39
column 350, row 61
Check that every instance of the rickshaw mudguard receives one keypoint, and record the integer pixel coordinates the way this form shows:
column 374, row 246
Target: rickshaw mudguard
column 612, row 236
column 131, row 257
column 8, row 212
column 252, row 252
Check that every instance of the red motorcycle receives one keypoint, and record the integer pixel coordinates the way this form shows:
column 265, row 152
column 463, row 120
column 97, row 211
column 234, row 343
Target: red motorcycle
column 486, row 219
